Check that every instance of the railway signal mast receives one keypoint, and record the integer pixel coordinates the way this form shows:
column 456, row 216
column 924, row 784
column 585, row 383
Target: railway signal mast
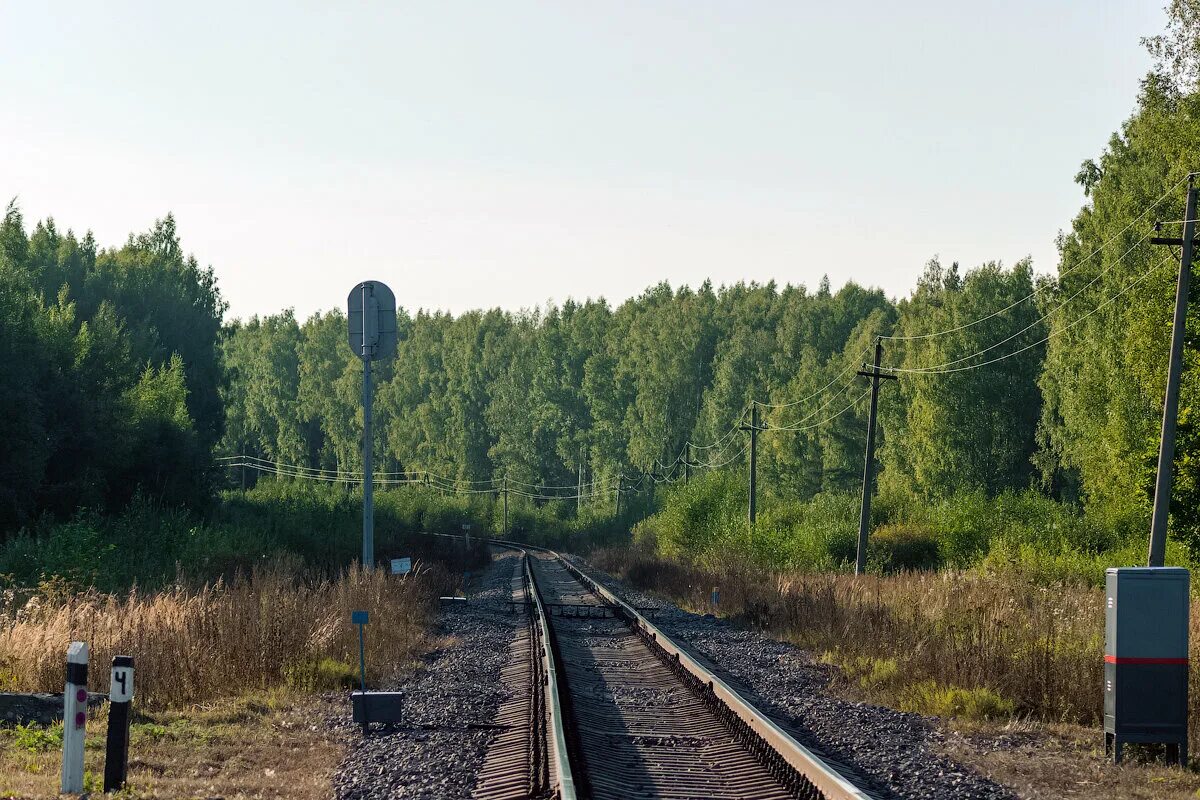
column 371, row 313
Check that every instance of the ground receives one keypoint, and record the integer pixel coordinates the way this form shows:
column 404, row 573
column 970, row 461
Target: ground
column 261, row 746
column 1062, row 762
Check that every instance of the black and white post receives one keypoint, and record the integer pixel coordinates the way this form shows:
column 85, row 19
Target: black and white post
column 75, row 697
column 120, row 699
column 371, row 314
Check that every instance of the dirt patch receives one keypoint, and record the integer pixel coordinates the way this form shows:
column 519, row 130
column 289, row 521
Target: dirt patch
column 1047, row 762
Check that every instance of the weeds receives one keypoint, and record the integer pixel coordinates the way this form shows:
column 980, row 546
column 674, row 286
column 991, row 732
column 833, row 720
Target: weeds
column 264, row 630
column 36, row 738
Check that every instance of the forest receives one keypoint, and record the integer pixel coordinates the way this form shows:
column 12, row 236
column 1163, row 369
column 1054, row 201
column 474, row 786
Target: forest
column 1020, row 386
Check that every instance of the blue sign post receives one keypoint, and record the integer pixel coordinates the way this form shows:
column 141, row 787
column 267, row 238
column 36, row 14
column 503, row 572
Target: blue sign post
column 368, row 707
column 361, row 618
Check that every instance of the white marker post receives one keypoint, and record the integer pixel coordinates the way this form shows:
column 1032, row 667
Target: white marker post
column 74, row 717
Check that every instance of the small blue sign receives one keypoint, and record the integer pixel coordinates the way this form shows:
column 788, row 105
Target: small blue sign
column 359, row 617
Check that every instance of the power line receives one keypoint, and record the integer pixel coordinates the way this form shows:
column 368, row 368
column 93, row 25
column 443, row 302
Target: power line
column 937, row 370
column 853, row 364
column 1046, row 316
column 1033, row 294
column 818, row 423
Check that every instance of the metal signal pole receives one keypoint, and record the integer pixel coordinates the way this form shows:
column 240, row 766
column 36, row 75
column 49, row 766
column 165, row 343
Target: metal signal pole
column 1166, row 445
column 864, row 515
column 368, row 555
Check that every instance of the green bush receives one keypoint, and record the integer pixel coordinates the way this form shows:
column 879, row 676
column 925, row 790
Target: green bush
column 905, row 546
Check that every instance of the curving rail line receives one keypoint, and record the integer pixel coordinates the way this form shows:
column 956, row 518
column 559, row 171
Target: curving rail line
column 629, row 714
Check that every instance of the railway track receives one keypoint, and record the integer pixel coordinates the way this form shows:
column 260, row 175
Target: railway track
column 604, row 705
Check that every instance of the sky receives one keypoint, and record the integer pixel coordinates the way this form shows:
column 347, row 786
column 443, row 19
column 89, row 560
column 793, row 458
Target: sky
column 514, row 153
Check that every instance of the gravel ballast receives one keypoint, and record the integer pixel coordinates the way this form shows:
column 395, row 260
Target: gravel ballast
column 895, row 754
column 450, row 703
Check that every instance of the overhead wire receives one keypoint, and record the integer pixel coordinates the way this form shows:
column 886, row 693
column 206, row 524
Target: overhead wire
column 937, row 370
column 1034, row 293
column 1046, row 316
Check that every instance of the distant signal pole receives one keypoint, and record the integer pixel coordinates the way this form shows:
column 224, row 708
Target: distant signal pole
column 371, row 317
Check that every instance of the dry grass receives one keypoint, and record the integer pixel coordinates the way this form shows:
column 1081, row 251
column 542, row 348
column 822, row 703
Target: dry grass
column 946, row 643
column 259, row 746
column 223, row 639
column 1046, row 761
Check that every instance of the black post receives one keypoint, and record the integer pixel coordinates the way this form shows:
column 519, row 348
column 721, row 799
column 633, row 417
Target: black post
column 864, row 516
column 120, row 695
column 1166, row 445
column 753, row 428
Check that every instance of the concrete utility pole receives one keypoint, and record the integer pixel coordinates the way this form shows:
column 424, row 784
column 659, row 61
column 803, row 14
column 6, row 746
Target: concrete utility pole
column 864, row 515
column 1166, row 445
column 754, row 429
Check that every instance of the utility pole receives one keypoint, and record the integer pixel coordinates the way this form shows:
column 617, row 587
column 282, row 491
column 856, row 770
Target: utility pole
column 1166, row 445
column 687, row 462
column 579, row 491
column 864, row 516
column 754, row 429
column 620, row 489
column 505, row 490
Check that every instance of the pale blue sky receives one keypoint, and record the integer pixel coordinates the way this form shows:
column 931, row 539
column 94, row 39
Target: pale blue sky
column 508, row 153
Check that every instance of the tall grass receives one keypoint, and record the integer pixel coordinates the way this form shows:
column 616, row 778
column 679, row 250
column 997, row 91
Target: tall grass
column 259, row 631
column 919, row 640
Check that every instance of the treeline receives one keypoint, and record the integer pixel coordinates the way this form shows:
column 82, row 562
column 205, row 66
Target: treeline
column 109, row 372
column 537, row 395
column 117, row 375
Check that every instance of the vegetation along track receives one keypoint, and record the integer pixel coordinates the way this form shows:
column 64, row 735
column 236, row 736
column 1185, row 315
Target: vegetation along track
column 636, row 716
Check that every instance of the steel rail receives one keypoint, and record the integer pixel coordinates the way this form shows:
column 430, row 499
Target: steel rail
column 807, row 764
column 558, row 737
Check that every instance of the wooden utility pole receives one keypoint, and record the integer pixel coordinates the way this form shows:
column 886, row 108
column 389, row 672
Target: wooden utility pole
column 579, row 490
column 864, row 514
column 620, row 489
column 687, row 462
column 505, row 490
column 754, row 429
column 1166, row 442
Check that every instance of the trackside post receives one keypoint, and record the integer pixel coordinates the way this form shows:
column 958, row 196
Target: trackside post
column 75, row 697
column 120, row 698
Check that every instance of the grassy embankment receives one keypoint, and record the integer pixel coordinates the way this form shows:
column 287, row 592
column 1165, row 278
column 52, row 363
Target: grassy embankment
column 976, row 608
column 238, row 621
